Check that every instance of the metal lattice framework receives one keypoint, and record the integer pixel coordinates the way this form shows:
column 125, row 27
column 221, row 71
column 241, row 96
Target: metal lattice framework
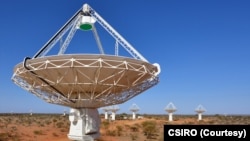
column 85, row 80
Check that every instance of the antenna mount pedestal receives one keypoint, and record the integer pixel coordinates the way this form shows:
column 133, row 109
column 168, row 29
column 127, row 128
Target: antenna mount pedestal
column 84, row 124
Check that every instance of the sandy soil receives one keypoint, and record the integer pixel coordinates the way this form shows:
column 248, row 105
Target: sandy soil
column 44, row 127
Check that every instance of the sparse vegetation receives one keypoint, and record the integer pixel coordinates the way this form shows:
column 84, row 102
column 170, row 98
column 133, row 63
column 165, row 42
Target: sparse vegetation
column 149, row 128
column 40, row 127
column 38, row 132
column 119, row 130
column 133, row 136
column 18, row 127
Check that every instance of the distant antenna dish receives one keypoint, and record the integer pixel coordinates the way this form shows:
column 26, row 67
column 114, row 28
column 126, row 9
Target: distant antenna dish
column 170, row 108
column 106, row 110
column 64, row 112
column 31, row 113
column 85, row 82
column 134, row 109
column 114, row 109
column 199, row 110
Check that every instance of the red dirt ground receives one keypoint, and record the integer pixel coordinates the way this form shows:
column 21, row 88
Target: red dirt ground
column 44, row 127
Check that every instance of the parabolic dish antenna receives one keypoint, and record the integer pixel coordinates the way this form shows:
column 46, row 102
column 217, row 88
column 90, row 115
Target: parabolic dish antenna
column 134, row 109
column 85, row 82
column 170, row 108
column 199, row 110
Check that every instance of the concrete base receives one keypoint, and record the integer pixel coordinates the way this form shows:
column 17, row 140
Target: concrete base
column 84, row 124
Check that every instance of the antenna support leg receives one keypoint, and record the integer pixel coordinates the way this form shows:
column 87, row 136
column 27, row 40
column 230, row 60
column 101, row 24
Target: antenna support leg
column 84, row 124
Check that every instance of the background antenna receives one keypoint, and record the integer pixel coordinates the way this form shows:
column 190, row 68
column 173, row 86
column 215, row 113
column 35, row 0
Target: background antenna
column 114, row 109
column 199, row 110
column 134, row 109
column 170, row 108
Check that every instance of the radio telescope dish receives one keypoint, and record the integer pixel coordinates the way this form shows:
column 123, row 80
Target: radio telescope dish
column 199, row 110
column 113, row 109
column 134, row 109
column 85, row 82
column 106, row 110
column 170, row 108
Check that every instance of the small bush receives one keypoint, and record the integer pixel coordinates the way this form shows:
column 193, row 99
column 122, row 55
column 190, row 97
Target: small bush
column 38, row 132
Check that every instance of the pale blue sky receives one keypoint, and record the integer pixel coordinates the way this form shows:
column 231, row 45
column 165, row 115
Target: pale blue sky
column 203, row 48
